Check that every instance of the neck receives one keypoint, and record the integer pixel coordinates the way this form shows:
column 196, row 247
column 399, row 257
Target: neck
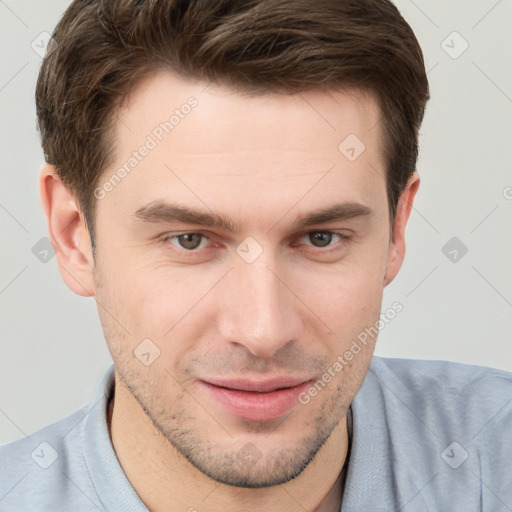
column 166, row 481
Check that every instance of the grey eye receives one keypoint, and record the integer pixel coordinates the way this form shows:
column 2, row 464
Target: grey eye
column 320, row 238
column 190, row 241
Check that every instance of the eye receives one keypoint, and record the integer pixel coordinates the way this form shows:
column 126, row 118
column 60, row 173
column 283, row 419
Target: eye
column 323, row 238
column 188, row 241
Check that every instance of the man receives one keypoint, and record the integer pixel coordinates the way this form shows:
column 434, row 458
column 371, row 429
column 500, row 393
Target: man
column 231, row 181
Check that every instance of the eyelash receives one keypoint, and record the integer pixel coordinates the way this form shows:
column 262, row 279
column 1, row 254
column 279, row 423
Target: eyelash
column 343, row 239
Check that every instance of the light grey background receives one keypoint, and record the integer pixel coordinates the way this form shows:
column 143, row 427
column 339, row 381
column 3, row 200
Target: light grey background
column 52, row 346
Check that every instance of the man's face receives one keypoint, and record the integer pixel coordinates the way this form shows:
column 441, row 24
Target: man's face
column 264, row 297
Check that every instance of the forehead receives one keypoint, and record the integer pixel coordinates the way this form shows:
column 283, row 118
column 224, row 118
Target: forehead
column 307, row 116
column 208, row 142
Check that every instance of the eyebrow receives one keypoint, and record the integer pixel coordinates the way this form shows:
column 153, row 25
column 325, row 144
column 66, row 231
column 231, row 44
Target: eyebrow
column 337, row 212
column 162, row 212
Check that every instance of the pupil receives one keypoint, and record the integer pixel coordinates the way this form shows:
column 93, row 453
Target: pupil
column 321, row 238
column 190, row 240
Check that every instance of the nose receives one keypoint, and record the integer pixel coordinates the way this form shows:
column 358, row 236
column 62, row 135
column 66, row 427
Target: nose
column 258, row 310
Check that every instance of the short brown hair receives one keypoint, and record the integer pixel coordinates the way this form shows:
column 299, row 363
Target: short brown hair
column 105, row 47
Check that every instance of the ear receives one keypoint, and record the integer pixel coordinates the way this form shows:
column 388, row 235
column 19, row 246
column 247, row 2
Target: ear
column 396, row 252
column 68, row 232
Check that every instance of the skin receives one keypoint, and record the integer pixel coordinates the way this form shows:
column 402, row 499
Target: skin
column 261, row 162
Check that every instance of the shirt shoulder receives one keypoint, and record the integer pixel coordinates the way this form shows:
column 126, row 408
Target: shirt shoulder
column 430, row 384
column 451, row 398
column 444, row 432
column 446, row 373
column 47, row 470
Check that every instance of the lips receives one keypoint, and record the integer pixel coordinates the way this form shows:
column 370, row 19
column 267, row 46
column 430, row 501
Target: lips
column 258, row 386
column 256, row 400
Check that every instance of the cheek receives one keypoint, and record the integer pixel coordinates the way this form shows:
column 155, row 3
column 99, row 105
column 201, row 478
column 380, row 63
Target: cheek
column 348, row 309
column 346, row 296
column 134, row 297
column 153, row 302
column 166, row 306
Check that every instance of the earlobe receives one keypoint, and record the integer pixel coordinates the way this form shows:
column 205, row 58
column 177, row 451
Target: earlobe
column 68, row 232
column 396, row 252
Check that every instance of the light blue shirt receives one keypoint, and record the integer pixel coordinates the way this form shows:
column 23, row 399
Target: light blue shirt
column 427, row 436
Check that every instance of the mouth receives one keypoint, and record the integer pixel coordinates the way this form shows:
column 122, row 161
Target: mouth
column 256, row 400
